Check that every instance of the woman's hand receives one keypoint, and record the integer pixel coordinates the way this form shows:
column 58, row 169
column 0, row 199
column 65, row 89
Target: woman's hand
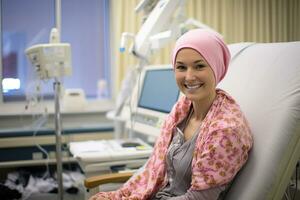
column 98, row 198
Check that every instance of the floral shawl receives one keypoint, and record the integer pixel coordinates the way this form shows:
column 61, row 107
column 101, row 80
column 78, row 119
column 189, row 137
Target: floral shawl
column 221, row 150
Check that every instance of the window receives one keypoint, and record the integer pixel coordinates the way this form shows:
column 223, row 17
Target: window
column 84, row 24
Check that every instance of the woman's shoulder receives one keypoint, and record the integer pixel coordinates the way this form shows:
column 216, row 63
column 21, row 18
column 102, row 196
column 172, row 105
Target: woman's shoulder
column 228, row 119
column 226, row 98
column 228, row 113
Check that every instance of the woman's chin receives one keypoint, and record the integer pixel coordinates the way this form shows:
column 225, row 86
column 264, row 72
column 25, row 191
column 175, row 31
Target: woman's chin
column 192, row 97
column 199, row 96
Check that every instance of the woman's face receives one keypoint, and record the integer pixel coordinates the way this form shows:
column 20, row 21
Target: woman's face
column 194, row 76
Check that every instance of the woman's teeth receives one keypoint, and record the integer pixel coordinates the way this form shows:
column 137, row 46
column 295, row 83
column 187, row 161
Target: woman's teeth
column 193, row 86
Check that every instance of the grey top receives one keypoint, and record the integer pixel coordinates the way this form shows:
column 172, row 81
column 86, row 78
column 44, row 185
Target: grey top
column 179, row 171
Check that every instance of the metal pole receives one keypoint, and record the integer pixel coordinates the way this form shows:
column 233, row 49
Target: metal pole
column 58, row 16
column 57, row 110
column 58, row 139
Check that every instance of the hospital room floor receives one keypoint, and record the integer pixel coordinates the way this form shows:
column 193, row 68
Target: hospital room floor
column 31, row 183
column 72, row 193
column 78, row 196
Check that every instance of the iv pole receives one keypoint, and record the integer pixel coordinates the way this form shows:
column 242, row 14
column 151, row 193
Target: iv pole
column 53, row 60
column 57, row 86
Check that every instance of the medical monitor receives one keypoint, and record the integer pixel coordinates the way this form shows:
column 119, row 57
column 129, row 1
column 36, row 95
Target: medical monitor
column 159, row 91
column 156, row 93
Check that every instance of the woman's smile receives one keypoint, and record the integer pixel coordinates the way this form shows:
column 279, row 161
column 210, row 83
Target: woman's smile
column 193, row 87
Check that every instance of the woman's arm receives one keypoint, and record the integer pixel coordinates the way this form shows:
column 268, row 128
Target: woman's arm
column 209, row 194
column 219, row 160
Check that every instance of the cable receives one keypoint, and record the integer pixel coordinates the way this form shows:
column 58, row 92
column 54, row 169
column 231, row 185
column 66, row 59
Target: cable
column 37, row 126
column 66, row 149
column 35, row 99
column 296, row 189
column 286, row 196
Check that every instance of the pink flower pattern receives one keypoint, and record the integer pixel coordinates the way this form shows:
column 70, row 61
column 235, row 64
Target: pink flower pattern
column 222, row 148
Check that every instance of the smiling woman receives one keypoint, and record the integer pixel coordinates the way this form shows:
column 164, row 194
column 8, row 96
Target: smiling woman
column 204, row 141
column 28, row 22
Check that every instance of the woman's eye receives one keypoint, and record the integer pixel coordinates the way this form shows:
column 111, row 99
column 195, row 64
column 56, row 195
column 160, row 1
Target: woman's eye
column 180, row 67
column 200, row 66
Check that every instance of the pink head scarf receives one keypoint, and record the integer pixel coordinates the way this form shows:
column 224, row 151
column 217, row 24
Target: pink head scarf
column 210, row 45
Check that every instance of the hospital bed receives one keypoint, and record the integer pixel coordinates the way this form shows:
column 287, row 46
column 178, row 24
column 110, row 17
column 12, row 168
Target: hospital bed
column 264, row 78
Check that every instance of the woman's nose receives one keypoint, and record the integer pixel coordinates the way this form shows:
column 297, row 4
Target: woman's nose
column 190, row 75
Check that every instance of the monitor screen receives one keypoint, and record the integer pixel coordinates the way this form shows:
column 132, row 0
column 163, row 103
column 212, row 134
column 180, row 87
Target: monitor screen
column 159, row 91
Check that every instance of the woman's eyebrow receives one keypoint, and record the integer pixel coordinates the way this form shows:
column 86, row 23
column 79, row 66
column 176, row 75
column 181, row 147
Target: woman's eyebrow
column 198, row 61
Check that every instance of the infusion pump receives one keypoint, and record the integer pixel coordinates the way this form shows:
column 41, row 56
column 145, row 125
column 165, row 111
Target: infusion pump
column 51, row 60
